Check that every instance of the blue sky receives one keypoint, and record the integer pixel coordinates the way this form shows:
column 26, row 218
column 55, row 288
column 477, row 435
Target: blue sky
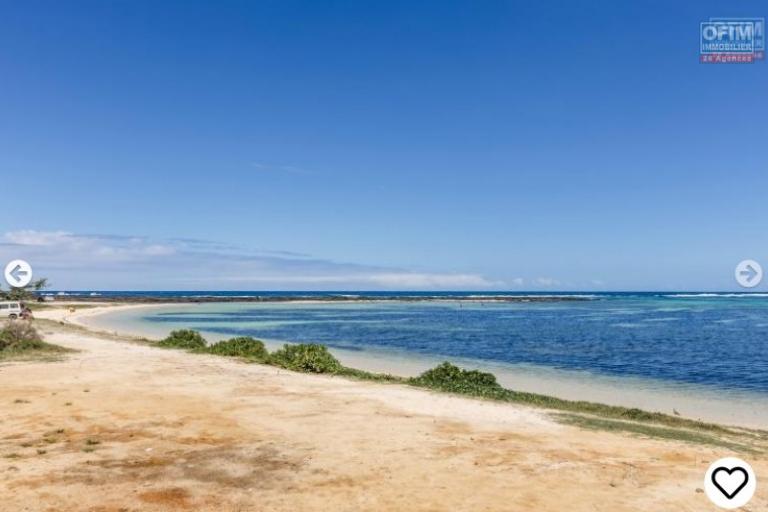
column 376, row 145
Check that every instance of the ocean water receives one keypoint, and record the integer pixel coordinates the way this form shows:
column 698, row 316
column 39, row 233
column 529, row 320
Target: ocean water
column 717, row 340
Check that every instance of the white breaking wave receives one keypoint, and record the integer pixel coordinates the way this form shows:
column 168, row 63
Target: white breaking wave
column 701, row 295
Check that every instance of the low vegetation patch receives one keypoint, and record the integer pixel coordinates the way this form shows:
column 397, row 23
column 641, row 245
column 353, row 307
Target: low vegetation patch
column 185, row 339
column 451, row 378
column 354, row 373
column 243, row 346
column 20, row 335
column 312, row 358
column 20, row 340
column 640, row 427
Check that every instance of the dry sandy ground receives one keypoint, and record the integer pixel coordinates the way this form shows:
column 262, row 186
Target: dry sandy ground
column 126, row 427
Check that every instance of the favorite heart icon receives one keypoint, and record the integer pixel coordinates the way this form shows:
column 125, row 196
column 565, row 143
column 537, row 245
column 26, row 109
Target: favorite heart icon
column 730, row 481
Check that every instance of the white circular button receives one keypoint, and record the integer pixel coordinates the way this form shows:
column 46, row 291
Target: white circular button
column 748, row 273
column 730, row 483
column 18, row 273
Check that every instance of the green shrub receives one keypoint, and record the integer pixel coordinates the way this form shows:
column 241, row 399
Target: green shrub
column 311, row 357
column 19, row 335
column 447, row 377
column 243, row 346
column 637, row 414
column 184, row 338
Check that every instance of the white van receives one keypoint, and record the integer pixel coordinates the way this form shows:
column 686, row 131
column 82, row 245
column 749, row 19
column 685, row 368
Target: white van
column 10, row 310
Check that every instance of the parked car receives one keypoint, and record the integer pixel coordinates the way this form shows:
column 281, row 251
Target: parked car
column 10, row 310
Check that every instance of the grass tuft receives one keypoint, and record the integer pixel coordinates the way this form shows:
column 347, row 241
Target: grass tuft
column 20, row 341
column 20, row 335
column 354, row 373
column 311, row 358
column 243, row 346
column 639, row 427
column 184, row 339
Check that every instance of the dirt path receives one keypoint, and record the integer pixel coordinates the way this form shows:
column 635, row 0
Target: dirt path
column 127, row 427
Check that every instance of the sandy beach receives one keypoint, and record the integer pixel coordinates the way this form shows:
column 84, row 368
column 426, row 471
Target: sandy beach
column 123, row 426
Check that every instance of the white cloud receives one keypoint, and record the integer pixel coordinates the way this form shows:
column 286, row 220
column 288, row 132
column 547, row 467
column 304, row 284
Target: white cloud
column 391, row 280
column 44, row 238
column 409, row 280
column 546, row 281
column 89, row 248
column 81, row 261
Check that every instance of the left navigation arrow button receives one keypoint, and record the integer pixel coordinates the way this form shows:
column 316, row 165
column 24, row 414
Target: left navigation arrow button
column 18, row 274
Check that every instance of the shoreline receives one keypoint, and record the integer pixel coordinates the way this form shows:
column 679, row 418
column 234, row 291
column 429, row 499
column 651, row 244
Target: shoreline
column 696, row 402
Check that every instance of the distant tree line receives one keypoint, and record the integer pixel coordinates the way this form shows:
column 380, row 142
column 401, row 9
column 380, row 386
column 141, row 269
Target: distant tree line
column 29, row 292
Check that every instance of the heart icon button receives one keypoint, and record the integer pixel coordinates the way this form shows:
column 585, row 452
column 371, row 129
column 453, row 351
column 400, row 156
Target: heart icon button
column 730, row 483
